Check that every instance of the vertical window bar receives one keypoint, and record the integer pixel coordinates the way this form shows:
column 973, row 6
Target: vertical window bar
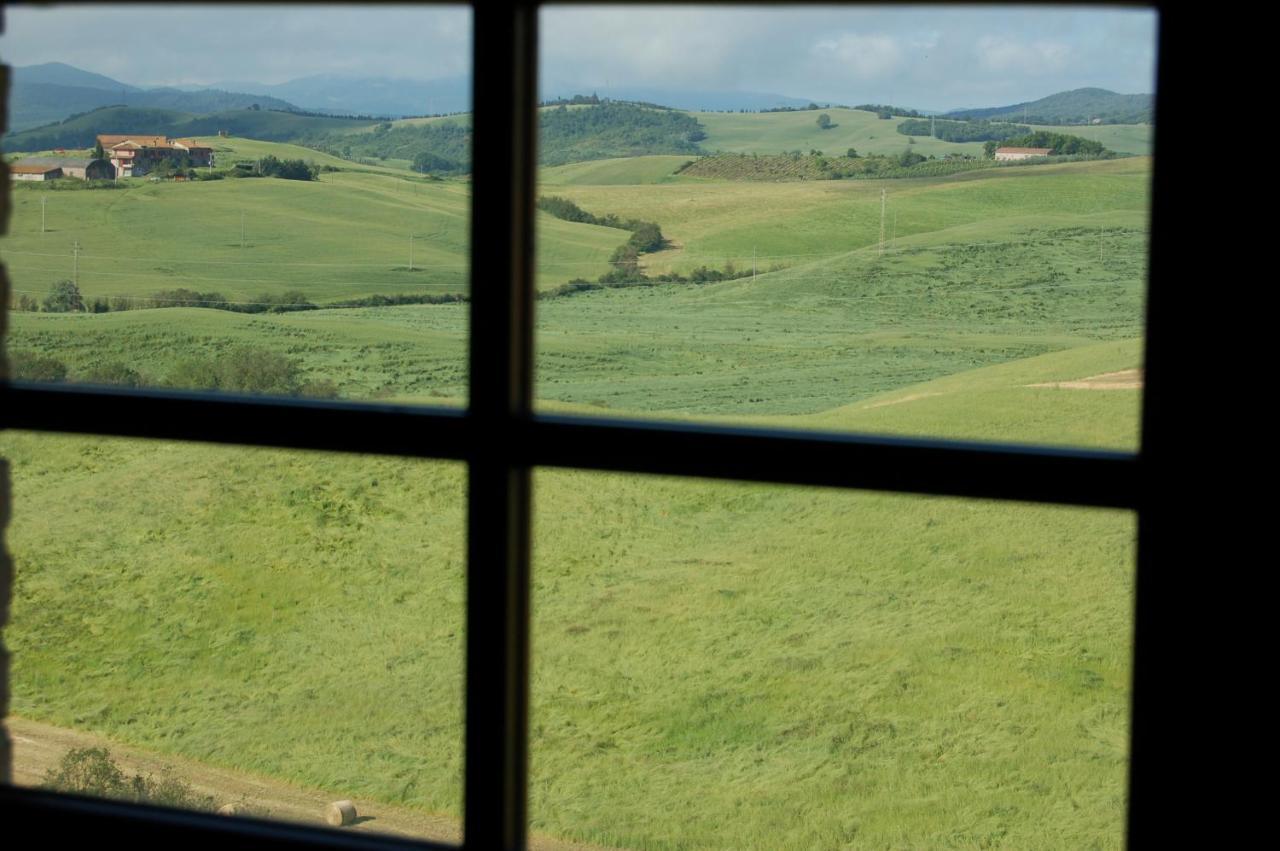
column 1150, row 763
column 501, row 392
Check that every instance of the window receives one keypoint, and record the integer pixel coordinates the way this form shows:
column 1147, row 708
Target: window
column 502, row 441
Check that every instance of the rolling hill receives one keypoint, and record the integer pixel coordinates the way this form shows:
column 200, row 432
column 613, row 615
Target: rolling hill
column 1078, row 106
column 43, row 94
column 265, row 124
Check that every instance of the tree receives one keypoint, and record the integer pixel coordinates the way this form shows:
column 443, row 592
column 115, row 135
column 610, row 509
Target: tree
column 824, row 122
column 851, row 154
column 98, row 153
column 64, row 297
column 989, row 149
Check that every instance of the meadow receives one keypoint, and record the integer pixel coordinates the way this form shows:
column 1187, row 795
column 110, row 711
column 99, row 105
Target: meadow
column 715, row 665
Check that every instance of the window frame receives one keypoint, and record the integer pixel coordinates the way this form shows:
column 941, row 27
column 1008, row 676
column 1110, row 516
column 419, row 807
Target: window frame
column 502, row 439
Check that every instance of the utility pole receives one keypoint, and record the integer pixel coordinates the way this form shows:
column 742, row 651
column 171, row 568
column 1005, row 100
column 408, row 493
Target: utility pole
column 753, row 262
column 933, row 126
column 893, row 240
column 75, row 267
column 882, row 203
column 242, row 230
column 410, row 252
column 44, row 199
column 1100, row 257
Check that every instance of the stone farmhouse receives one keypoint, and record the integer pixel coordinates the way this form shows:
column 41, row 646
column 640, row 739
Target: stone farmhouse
column 134, row 155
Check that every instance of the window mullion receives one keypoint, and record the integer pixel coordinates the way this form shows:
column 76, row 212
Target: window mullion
column 501, row 392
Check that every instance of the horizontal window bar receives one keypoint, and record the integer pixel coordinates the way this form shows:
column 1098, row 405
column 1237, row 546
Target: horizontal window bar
column 419, row 431
column 938, row 467
column 70, row 821
column 944, row 468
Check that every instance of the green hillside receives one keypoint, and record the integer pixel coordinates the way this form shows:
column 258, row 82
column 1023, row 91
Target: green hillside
column 1078, row 106
column 1124, row 138
column 880, row 668
column 715, row 665
column 790, row 223
column 268, row 125
column 345, row 235
column 779, row 132
column 613, row 172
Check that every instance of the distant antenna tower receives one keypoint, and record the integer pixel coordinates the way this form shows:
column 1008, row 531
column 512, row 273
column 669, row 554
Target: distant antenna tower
column 882, row 208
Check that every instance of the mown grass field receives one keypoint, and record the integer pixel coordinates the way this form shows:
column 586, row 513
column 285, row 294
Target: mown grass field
column 715, row 665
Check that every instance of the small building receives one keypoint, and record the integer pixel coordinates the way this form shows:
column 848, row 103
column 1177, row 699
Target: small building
column 1021, row 153
column 29, row 171
column 81, row 168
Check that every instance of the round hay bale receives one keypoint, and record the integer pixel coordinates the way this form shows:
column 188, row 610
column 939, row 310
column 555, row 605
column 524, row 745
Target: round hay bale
column 340, row 813
column 230, row 810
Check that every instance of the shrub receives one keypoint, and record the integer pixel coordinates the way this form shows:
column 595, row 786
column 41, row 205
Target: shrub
column 114, row 372
column 92, row 771
column 253, row 370
column 29, row 366
column 64, row 297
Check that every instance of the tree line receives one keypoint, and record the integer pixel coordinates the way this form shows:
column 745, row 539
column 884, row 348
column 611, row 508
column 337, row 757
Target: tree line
column 961, row 131
column 1059, row 144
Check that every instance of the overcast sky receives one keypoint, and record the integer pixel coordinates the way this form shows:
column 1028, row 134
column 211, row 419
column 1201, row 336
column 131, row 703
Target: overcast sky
column 923, row 57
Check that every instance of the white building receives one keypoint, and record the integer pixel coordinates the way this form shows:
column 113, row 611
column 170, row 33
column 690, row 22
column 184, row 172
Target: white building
column 1021, row 153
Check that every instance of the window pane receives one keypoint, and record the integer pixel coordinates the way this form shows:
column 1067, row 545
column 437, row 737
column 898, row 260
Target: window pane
column 205, row 627
column 734, row 666
column 280, row 204
column 913, row 221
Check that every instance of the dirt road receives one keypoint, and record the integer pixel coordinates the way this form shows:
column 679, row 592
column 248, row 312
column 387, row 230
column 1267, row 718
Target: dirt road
column 37, row 747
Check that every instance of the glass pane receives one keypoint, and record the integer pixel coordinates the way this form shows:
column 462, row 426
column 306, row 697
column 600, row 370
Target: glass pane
column 918, row 221
column 733, row 666
column 216, row 627
column 273, row 199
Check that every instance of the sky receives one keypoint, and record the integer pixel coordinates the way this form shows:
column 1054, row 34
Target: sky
column 943, row 57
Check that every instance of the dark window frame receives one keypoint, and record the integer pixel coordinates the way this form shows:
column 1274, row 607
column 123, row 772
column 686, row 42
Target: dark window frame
column 501, row 439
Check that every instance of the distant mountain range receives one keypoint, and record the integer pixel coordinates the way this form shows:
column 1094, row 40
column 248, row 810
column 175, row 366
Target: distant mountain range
column 1078, row 106
column 42, row 94
column 378, row 96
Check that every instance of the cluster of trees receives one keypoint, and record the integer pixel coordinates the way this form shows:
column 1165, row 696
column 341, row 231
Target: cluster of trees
column 620, row 277
column 1060, row 144
column 243, row 369
column 884, row 110
column 439, row 147
column 270, row 166
column 645, row 236
column 961, row 131
column 810, row 106
column 65, row 297
column 825, row 122
column 577, row 100
column 615, row 129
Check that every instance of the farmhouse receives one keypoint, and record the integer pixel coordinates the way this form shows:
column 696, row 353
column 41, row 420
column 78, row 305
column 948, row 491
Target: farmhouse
column 43, row 168
column 135, row 155
column 1021, row 153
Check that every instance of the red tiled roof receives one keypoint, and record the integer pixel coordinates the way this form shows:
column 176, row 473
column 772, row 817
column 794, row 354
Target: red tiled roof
column 1039, row 152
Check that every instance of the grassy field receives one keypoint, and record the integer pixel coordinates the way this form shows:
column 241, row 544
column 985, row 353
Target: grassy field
column 1123, row 138
column 715, row 665
column 776, row 132
column 660, row 168
column 792, row 223
column 342, row 236
column 877, row 671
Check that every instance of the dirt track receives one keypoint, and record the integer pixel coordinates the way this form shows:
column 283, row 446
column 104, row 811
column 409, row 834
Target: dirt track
column 1125, row 379
column 38, row 747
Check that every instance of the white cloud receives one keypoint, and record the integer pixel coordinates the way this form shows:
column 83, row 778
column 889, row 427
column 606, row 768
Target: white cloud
column 1000, row 53
column 865, row 56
